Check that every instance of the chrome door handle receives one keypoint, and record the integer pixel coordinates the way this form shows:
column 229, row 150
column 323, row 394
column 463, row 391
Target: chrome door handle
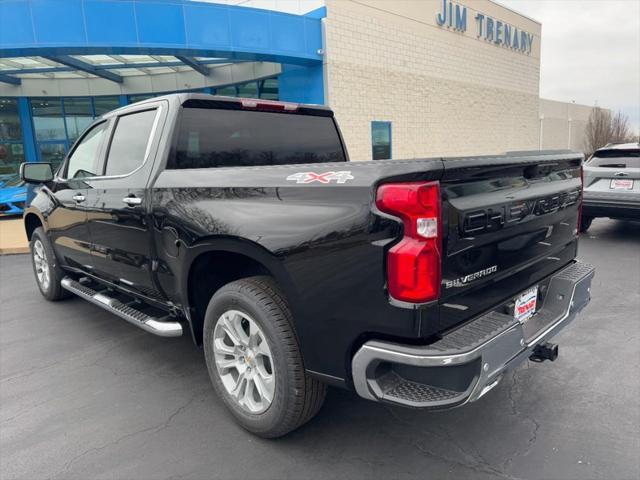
column 78, row 197
column 132, row 201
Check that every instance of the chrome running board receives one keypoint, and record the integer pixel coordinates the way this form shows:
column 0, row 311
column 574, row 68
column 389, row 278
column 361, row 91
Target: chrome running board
column 157, row 326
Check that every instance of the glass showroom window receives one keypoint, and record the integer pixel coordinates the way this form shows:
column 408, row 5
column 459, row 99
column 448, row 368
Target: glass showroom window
column 381, row 140
column 50, row 129
column 229, row 91
column 248, row 90
column 269, row 89
column 102, row 105
column 58, row 122
column 11, row 147
column 78, row 115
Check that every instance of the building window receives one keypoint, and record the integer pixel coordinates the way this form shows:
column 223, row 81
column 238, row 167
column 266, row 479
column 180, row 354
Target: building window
column 103, row 105
column 58, row 122
column 381, row 140
column 269, row 89
column 248, row 90
column 229, row 91
column 78, row 115
column 48, row 120
column 11, row 147
column 145, row 96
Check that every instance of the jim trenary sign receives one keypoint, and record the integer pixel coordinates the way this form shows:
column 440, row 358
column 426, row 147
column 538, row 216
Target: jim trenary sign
column 454, row 16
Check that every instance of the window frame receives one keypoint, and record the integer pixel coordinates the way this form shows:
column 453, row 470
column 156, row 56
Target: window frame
column 64, row 170
column 106, row 146
column 116, row 120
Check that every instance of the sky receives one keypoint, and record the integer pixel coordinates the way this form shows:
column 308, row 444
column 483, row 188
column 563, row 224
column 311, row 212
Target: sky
column 590, row 51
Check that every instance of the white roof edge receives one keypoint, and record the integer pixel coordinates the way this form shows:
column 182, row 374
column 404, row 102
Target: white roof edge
column 620, row 146
column 572, row 103
column 500, row 4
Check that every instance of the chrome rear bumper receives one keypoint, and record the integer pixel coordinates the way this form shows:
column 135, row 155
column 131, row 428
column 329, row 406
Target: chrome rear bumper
column 470, row 361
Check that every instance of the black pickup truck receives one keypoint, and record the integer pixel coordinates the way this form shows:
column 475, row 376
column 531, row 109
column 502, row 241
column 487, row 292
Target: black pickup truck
column 242, row 222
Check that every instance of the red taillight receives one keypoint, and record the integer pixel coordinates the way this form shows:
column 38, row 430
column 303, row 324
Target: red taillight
column 580, row 201
column 414, row 264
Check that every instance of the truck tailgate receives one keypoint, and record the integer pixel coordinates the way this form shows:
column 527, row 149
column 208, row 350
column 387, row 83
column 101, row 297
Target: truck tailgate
column 509, row 222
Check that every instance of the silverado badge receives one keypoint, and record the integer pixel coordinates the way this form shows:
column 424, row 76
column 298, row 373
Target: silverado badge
column 462, row 281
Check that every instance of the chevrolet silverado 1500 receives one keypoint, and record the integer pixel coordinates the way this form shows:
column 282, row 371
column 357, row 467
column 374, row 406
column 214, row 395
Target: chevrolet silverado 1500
column 242, row 223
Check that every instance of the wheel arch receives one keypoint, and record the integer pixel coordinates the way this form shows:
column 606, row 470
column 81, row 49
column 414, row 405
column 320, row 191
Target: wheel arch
column 32, row 220
column 213, row 263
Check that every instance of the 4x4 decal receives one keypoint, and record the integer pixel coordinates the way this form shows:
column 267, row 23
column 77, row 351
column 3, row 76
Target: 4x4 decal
column 326, row 177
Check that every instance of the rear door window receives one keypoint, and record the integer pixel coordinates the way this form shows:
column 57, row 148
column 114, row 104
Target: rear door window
column 129, row 143
column 210, row 138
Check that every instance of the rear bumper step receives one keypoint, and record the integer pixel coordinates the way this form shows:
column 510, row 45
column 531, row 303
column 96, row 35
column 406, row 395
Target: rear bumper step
column 470, row 361
column 157, row 326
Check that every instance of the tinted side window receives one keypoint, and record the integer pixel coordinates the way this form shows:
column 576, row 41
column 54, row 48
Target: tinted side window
column 233, row 138
column 84, row 159
column 129, row 142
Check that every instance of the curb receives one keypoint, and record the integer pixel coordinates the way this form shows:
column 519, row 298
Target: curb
column 14, row 251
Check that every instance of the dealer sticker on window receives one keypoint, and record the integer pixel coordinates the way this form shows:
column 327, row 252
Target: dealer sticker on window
column 526, row 305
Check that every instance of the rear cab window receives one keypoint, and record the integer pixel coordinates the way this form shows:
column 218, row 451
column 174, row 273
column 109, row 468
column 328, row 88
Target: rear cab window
column 220, row 137
column 616, row 158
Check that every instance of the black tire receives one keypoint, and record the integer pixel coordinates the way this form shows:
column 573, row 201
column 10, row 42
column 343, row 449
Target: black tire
column 297, row 396
column 585, row 223
column 51, row 290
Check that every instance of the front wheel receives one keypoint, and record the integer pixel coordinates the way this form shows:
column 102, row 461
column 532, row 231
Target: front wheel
column 48, row 273
column 254, row 358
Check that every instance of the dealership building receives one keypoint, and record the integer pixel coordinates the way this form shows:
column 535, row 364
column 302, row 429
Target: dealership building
column 406, row 78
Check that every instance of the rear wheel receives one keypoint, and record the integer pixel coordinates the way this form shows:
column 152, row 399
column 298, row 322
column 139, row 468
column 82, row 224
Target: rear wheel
column 254, row 359
column 585, row 223
column 48, row 273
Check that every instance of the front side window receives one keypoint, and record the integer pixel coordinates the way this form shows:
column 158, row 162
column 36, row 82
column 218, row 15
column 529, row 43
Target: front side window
column 129, row 142
column 84, row 159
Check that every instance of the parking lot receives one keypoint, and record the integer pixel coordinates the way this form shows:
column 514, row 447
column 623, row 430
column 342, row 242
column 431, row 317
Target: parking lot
column 86, row 395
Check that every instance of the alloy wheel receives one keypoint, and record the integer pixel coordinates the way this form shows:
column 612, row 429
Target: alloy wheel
column 244, row 361
column 42, row 265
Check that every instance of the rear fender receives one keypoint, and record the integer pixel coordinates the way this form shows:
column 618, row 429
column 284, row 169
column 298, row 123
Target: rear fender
column 239, row 246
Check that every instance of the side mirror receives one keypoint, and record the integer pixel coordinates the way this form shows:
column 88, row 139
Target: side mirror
column 36, row 172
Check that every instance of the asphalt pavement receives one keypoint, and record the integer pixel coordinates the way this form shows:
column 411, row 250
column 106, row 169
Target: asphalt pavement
column 86, row 395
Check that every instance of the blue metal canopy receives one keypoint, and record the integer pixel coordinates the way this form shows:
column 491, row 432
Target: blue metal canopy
column 185, row 27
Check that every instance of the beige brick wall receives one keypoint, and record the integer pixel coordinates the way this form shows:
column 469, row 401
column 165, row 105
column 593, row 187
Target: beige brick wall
column 563, row 120
column 446, row 93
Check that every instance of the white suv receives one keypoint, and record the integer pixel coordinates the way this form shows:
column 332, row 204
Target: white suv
column 612, row 184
